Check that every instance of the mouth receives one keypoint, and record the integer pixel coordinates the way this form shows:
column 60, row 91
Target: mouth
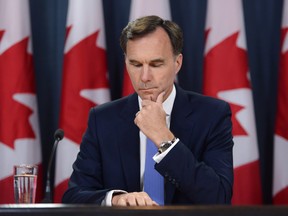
column 147, row 93
column 147, row 90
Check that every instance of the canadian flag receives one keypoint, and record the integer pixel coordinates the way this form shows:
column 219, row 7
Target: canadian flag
column 84, row 84
column 138, row 9
column 19, row 127
column 226, row 76
column 280, row 176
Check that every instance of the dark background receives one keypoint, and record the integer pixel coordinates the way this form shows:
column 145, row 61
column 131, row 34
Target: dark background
column 262, row 23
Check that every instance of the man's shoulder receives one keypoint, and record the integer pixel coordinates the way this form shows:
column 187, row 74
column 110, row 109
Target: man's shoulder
column 203, row 102
column 201, row 108
column 197, row 97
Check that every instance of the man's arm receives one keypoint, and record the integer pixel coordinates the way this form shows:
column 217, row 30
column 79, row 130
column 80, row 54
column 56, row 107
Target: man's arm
column 86, row 183
column 208, row 178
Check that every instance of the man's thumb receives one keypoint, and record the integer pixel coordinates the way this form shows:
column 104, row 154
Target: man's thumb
column 160, row 98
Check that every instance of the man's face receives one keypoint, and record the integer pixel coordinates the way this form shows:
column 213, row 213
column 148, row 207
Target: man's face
column 151, row 64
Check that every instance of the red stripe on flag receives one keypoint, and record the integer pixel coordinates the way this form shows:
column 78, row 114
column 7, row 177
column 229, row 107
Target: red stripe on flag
column 247, row 187
column 280, row 181
column 59, row 190
column 282, row 105
column 281, row 198
column 7, row 191
column 127, row 85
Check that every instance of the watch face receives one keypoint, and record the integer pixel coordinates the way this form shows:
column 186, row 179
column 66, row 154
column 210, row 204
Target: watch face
column 166, row 145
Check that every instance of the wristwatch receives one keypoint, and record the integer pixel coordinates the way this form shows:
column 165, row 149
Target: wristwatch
column 165, row 145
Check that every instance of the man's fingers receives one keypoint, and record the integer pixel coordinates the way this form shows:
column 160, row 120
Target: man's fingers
column 134, row 199
column 150, row 202
column 154, row 203
column 160, row 98
column 141, row 201
column 131, row 200
column 121, row 202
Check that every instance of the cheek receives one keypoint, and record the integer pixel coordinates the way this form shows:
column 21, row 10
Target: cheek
column 134, row 77
column 131, row 72
column 167, row 78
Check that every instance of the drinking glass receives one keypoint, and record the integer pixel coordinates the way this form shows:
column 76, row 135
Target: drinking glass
column 25, row 183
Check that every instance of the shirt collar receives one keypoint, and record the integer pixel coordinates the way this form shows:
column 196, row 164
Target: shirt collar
column 167, row 104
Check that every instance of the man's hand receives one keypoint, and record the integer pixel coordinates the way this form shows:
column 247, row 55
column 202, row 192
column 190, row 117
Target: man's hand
column 133, row 199
column 151, row 120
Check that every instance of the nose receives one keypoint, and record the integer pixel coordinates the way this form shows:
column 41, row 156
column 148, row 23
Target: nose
column 145, row 74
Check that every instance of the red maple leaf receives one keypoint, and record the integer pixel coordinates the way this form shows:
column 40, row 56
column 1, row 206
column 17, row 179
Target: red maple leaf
column 282, row 104
column 226, row 68
column 85, row 67
column 1, row 34
column 16, row 76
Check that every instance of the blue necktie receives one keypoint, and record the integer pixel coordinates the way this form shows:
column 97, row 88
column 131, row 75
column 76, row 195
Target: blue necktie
column 153, row 181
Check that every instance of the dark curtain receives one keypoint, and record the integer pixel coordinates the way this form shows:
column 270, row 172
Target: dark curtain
column 262, row 23
column 48, row 21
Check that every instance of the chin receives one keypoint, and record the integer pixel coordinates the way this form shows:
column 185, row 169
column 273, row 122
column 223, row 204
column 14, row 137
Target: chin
column 147, row 97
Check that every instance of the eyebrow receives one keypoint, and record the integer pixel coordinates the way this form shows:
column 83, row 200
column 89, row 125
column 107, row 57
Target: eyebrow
column 157, row 60
column 133, row 61
column 152, row 61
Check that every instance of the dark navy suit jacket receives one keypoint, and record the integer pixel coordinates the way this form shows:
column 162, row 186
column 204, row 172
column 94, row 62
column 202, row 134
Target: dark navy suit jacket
column 198, row 170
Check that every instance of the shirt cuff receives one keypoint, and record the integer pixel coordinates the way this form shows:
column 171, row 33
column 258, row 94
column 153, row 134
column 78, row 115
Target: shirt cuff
column 107, row 201
column 159, row 156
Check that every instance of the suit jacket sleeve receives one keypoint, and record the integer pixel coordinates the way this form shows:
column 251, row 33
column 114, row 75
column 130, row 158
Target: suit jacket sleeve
column 85, row 183
column 200, row 168
column 109, row 156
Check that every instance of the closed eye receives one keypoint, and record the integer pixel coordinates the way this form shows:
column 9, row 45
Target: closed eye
column 157, row 63
column 135, row 63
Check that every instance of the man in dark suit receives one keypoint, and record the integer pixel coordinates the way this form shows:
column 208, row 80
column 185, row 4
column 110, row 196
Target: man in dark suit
column 191, row 132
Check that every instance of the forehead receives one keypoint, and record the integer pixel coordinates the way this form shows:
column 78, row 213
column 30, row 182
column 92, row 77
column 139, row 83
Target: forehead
column 157, row 42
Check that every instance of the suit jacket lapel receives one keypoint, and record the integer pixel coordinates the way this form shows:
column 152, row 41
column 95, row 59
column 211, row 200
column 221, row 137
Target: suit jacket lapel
column 129, row 144
column 180, row 115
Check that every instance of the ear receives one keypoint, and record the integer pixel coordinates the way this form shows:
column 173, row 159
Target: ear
column 178, row 63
